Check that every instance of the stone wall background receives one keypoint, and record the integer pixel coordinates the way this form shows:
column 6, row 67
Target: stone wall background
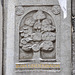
column 73, row 40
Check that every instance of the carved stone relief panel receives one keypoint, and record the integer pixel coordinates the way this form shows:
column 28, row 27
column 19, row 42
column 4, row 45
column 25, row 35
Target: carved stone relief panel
column 37, row 35
column 37, row 32
column 38, row 38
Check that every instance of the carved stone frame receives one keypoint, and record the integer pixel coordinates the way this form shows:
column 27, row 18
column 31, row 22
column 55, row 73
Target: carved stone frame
column 57, row 20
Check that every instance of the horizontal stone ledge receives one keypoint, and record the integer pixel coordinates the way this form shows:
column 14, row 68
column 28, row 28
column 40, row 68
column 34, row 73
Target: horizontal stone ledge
column 39, row 2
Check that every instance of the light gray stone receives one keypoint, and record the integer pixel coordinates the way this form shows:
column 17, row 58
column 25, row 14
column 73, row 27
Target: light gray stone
column 1, row 26
column 66, row 42
column 37, row 33
column 9, row 30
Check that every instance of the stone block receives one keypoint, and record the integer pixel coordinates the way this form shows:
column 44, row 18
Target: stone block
column 38, row 38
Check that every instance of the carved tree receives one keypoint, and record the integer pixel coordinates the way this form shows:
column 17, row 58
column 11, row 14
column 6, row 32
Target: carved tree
column 37, row 34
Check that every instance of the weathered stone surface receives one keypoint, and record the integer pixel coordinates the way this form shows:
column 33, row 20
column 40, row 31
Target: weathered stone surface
column 73, row 54
column 19, row 11
column 1, row 19
column 73, row 45
column 56, row 10
column 42, row 36
column 73, row 7
column 47, row 46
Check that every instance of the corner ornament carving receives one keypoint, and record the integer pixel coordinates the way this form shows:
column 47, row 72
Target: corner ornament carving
column 19, row 10
column 56, row 10
column 37, row 34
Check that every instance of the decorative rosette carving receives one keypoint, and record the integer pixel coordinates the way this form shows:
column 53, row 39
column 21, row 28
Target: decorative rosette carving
column 56, row 10
column 19, row 10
